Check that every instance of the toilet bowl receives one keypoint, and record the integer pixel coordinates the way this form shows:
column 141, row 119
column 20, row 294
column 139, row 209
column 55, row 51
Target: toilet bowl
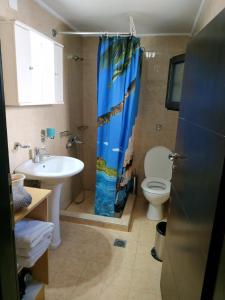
column 156, row 185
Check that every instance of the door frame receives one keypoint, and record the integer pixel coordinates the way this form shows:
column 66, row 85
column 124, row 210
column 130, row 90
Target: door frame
column 9, row 289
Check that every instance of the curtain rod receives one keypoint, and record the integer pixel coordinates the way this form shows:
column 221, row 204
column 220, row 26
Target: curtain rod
column 96, row 34
column 55, row 33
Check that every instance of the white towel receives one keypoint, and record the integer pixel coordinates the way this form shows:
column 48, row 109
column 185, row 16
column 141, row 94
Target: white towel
column 28, row 262
column 30, row 252
column 28, row 233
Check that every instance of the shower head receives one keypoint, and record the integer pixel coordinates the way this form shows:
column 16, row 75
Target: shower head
column 75, row 57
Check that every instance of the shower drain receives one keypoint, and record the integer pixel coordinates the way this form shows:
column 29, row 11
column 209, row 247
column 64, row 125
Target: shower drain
column 120, row 243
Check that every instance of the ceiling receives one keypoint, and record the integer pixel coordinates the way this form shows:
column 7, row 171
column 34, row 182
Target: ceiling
column 150, row 16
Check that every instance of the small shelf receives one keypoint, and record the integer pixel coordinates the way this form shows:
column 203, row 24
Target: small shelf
column 38, row 196
column 37, row 210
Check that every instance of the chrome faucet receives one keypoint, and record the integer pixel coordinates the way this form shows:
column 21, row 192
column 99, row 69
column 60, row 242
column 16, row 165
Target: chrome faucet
column 40, row 154
column 73, row 140
column 19, row 145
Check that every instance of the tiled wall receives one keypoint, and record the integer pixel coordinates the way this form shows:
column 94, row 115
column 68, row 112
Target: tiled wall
column 24, row 123
column 151, row 107
column 90, row 46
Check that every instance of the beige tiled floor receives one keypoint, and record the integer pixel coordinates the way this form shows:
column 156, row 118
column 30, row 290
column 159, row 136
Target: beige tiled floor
column 85, row 207
column 88, row 266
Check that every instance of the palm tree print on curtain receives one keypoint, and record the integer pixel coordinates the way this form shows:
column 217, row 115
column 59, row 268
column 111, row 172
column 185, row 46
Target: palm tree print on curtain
column 118, row 87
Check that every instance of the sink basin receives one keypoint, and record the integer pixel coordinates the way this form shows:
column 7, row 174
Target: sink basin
column 52, row 173
column 54, row 168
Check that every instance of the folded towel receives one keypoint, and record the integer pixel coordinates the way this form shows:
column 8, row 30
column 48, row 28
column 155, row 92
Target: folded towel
column 21, row 198
column 31, row 252
column 28, row 233
column 28, row 262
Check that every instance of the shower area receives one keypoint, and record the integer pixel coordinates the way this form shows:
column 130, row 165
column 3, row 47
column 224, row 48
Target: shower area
column 83, row 208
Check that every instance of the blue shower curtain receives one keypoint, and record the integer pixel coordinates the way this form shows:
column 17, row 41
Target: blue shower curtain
column 118, row 86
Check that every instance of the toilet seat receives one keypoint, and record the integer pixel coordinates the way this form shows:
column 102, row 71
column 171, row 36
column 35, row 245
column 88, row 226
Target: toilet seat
column 155, row 185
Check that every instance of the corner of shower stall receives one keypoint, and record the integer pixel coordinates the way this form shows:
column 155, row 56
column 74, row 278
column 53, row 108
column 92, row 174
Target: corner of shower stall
column 82, row 211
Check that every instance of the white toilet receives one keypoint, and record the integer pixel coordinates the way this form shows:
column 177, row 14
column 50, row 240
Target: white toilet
column 156, row 185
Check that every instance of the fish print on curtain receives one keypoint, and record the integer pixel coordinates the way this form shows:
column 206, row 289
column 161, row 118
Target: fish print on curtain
column 118, row 87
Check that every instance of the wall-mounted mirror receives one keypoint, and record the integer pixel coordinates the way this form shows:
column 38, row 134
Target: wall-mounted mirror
column 175, row 80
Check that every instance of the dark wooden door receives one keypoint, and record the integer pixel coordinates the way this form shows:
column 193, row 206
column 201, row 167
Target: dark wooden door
column 196, row 192
column 8, row 271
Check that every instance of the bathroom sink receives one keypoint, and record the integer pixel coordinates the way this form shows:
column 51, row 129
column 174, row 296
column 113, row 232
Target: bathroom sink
column 53, row 168
column 52, row 173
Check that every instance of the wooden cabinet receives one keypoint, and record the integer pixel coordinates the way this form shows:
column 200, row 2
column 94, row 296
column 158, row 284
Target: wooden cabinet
column 42, row 69
column 32, row 66
column 23, row 64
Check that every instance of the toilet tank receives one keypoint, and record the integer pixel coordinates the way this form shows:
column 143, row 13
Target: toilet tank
column 157, row 163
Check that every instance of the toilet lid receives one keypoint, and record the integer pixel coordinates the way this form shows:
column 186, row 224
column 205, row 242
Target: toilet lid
column 157, row 163
column 154, row 185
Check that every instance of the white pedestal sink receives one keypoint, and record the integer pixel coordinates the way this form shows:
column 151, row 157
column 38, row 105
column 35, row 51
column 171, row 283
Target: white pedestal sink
column 52, row 173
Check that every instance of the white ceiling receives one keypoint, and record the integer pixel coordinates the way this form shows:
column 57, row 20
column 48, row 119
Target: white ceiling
column 150, row 16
